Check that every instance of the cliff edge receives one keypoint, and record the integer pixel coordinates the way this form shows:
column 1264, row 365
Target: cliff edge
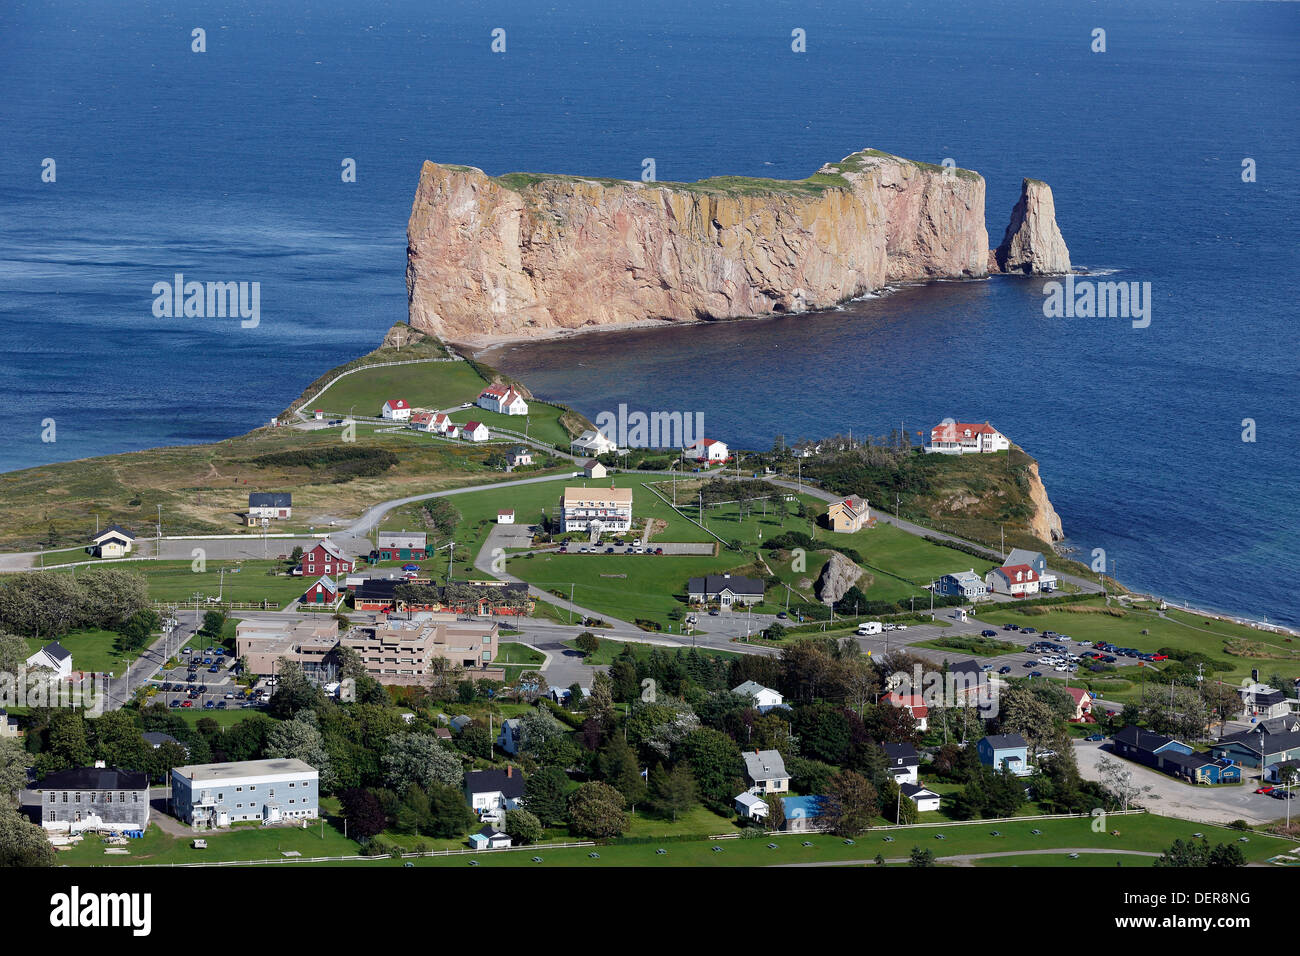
column 526, row 255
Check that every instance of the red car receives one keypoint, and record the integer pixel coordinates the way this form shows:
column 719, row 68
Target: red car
column 1160, row 657
column 187, row 703
column 1264, row 790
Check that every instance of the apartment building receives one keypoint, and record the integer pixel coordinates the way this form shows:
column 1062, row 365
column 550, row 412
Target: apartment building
column 608, row 510
column 401, row 652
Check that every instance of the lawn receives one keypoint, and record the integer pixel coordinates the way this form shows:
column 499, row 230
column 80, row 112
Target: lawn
column 1187, row 632
column 240, row 843
column 517, row 658
column 178, row 581
column 609, row 651
column 1146, row 832
column 91, row 650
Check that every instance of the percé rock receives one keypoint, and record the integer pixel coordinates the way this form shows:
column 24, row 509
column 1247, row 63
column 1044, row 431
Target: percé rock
column 523, row 255
column 1032, row 244
column 1046, row 523
column 838, row 575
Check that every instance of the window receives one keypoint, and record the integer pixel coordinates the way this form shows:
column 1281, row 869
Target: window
column 51, row 796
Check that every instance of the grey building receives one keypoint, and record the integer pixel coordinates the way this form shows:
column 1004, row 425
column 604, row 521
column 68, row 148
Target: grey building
column 96, row 799
column 270, row 791
column 725, row 589
column 963, row 584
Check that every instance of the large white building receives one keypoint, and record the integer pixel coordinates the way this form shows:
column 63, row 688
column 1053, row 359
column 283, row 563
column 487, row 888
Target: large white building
column 1016, row 580
column 396, row 410
column 608, row 510
column 591, row 443
column 710, row 449
column 503, row 399
column 269, row 791
column 55, row 657
column 964, row 438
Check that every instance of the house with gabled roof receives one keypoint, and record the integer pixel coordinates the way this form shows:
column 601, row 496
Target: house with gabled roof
column 323, row 591
column 914, row 704
column 490, row 838
column 592, row 443
column 1017, row 580
column 710, row 450
column 490, row 793
column 95, row 799
column 724, row 589
column 396, row 410
column 1005, row 752
column 591, row 468
column 902, row 762
column 765, row 771
column 113, row 542
column 848, row 515
column 1035, row 560
column 963, row 584
column 326, row 557
column 765, row 698
column 503, row 399
column 964, row 438
column 475, row 431
column 925, row 799
column 750, row 806
column 270, row 504
column 53, row 656
column 401, row 545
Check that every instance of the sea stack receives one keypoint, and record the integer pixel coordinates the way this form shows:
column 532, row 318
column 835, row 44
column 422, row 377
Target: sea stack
column 1033, row 244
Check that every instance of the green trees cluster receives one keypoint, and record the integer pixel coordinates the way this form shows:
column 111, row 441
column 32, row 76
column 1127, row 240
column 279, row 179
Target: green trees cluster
column 50, row 605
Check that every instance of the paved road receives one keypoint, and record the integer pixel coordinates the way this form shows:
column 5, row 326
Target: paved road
column 1221, row 804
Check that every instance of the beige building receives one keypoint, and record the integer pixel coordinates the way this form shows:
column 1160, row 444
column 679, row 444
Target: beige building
column 400, row 652
column 606, row 509
column 262, row 643
column 849, row 515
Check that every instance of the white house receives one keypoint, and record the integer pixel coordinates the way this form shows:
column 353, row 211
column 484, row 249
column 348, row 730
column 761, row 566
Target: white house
column 113, row 542
column 751, row 807
column 925, row 800
column 964, row 438
column 490, row 793
column 55, row 657
column 270, row 504
column 594, row 469
column 506, row 516
column 765, row 770
column 519, row 455
column 1035, row 559
column 1015, row 580
column 266, row 791
column 509, row 738
column 423, row 421
column 764, row 697
column 710, row 450
column 503, row 399
column 902, row 762
column 490, row 838
column 591, row 443
column 475, row 431
column 396, row 410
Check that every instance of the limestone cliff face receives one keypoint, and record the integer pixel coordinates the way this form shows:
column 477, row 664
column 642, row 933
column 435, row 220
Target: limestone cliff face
column 1032, row 244
column 521, row 256
column 1046, row 523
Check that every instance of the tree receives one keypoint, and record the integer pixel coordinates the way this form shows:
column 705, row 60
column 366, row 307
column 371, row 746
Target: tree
column 716, row 764
column 523, row 827
column 13, row 771
column 618, row 766
column 22, row 843
column 293, row 691
column 414, row 759
column 1119, row 784
column 597, row 810
column 363, row 812
column 671, row 791
column 921, row 857
column 300, row 739
column 134, row 632
column 449, row 815
column 213, row 623
column 851, row 803
column 545, row 796
column 476, row 740
column 587, row 642
column 895, row 806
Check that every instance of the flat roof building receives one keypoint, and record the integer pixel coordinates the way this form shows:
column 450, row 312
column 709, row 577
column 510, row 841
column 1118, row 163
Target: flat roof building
column 270, row 791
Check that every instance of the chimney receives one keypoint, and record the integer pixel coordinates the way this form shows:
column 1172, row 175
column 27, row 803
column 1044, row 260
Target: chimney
column 510, row 771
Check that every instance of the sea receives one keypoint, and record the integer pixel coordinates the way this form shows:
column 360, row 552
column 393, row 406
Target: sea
column 1168, row 131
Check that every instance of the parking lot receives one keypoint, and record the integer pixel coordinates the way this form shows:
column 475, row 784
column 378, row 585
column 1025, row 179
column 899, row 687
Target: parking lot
column 212, row 684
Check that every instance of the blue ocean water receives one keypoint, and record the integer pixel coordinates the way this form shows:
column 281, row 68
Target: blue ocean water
column 225, row 165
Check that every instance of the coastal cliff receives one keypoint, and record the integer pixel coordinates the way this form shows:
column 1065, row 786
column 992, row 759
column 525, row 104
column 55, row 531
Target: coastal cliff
column 1032, row 244
column 525, row 255
column 1045, row 524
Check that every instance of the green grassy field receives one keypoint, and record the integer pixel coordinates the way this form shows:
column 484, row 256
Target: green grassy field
column 1188, row 632
column 177, row 581
column 91, row 650
column 609, row 651
column 517, row 658
column 241, row 843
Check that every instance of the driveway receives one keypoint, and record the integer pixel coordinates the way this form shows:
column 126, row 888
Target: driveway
column 1221, row 804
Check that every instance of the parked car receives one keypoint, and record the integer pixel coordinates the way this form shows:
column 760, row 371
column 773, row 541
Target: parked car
column 187, row 703
column 209, row 705
column 1263, row 789
column 176, row 702
column 988, row 633
column 221, row 705
column 230, row 697
column 1004, row 669
column 659, row 550
column 1036, row 674
column 1095, row 737
column 410, row 567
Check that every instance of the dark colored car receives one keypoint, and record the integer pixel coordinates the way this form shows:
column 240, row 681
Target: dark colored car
column 214, row 669
column 176, row 702
column 1004, row 669
column 1095, row 737
column 988, row 633
column 1036, row 674
column 209, row 705
column 221, row 705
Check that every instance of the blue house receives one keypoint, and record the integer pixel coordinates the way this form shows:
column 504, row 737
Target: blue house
column 1256, row 749
column 1174, row 757
column 1005, row 752
column 802, row 813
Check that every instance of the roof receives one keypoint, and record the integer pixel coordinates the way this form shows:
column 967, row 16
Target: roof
column 716, row 583
column 495, row 781
column 1079, row 694
column 327, row 581
column 155, row 738
column 330, row 548
column 576, row 495
column 752, row 688
column 505, row 511
column 1135, row 736
column 56, row 651
column 965, row 577
column 1023, row 556
column 114, row 529
column 270, row 499
column 402, row 539
column 913, row 702
column 955, row 429
column 912, row 791
column 706, row 442
column 492, row 832
column 901, row 753
column 749, row 801
column 971, row 666
column 1009, row 571
column 1005, row 741
column 94, row 778
column 764, row 765
column 214, row 772
column 1188, row 762
column 378, row 589
column 396, row 403
column 591, row 463
column 802, row 806
column 472, row 426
